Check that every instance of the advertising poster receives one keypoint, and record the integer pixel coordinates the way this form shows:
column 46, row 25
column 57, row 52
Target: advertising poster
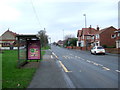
column 34, row 49
column 22, row 50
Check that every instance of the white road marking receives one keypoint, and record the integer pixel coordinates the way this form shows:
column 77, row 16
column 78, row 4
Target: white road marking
column 67, row 57
column 92, row 62
column 51, row 56
column 78, row 57
column 95, row 64
column 82, row 59
column 64, row 68
column 55, row 55
column 117, row 70
column 100, row 64
column 105, row 68
column 88, row 61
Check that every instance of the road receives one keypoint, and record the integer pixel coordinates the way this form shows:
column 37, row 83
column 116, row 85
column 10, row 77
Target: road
column 88, row 71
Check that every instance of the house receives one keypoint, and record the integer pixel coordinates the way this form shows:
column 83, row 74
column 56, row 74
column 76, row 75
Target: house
column 89, row 37
column 86, row 37
column 7, row 38
column 105, row 37
column 117, row 38
column 60, row 43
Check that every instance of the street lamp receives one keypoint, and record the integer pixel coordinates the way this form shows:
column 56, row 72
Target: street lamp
column 85, row 27
column 85, row 21
column 50, row 41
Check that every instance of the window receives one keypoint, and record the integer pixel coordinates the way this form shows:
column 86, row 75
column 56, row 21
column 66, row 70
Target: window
column 97, row 36
column 118, row 34
column 92, row 37
column 113, row 36
column 83, row 36
column 99, row 47
column 88, row 37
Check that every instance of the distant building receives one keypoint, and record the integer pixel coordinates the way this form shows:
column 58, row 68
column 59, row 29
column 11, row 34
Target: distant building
column 7, row 38
column 60, row 43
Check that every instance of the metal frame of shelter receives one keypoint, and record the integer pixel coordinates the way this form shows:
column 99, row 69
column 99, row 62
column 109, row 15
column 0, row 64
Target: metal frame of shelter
column 23, row 43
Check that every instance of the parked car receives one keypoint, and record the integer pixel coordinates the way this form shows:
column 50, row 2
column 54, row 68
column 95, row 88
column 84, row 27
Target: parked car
column 97, row 50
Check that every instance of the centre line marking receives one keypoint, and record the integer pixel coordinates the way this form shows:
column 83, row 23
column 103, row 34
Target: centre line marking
column 100, row 65
column 117, row 70
column 95, row 64
column 64, row 68
column 51, row 56
column 105, row 68
column 88, row 61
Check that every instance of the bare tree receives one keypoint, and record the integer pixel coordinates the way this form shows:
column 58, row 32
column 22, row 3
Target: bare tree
column 43, row 37
column 69, row 36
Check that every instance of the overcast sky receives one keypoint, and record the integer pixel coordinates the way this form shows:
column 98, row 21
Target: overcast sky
column 30, row 16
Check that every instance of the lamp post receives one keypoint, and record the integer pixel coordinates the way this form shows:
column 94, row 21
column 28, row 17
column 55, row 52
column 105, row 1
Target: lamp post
column 85, row 21
column 85, row 27
column 50, row 41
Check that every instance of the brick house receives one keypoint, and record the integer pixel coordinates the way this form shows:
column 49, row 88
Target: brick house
column 117, row 38
column 105, row 37
column 86, row 37
column 7, row 38
column 89, row 37
column 60, row 43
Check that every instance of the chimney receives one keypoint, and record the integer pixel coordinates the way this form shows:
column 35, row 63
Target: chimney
column 98, row 28
column 8, row 29
column 90, row 27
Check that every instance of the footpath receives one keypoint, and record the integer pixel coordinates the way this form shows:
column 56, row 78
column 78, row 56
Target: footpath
column 49, row 74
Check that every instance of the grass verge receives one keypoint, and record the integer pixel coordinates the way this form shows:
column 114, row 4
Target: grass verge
column 45, row 48
column 12, row 77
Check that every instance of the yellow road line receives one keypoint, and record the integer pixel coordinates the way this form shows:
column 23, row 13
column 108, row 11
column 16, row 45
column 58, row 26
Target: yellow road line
column 64, row 68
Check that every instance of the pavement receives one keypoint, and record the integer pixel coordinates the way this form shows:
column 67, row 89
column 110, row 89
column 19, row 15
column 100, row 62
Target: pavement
column 49, row 74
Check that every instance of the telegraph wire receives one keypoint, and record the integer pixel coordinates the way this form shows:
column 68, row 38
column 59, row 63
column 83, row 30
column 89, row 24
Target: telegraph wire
column 35, row 12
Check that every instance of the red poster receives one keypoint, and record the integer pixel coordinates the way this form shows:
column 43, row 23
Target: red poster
column 34, row 49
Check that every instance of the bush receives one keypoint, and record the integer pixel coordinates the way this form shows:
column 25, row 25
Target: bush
column 104, row 46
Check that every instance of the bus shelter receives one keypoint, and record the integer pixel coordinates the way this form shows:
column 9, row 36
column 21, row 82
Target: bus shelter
column 29, row 48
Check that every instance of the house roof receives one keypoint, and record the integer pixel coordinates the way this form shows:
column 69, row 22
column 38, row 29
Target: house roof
column 79, row 33
column 13, row 33
column 60, row 42
column 92, row 31
column 87, row 31
column 102, row 30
